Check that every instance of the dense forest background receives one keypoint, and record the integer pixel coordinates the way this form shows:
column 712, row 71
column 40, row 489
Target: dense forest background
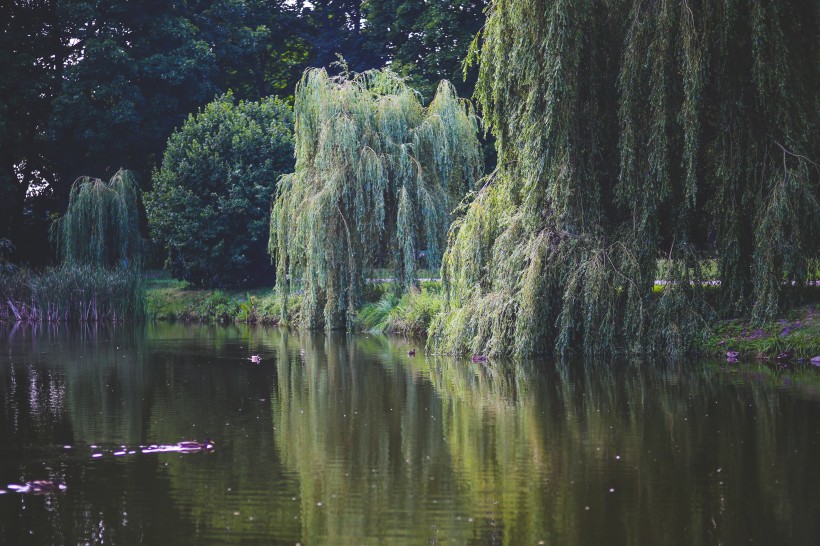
column 90, row 87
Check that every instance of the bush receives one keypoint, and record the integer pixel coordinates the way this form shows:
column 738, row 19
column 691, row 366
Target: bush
column 208, row 210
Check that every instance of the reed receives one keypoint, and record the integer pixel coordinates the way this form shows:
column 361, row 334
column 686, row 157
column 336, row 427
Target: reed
column 72, row 294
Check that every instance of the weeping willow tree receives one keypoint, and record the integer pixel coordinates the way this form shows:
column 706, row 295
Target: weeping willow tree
column 101, row 225
column 636, row 140
column 377, row 176
column 101, row 249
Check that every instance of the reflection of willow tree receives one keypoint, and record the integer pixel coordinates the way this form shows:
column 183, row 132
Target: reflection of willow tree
column 76, row 385
column 93, row 371
column 671, row 443
column 109, row 386
column 531, row 452
column 496, row 443
column 365, row 444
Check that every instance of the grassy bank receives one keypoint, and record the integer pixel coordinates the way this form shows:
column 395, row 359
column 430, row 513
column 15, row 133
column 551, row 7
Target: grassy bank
column 408, row 315
column 173, row 300
column 796, row 335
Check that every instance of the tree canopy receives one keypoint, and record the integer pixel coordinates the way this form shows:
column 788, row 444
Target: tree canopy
column 425, row 41
column 208, row 210
column 88, row 87
column 377, row 175
column 637, row 141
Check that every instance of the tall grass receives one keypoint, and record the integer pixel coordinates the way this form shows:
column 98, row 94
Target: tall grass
column 79, row 293
column 409, row 315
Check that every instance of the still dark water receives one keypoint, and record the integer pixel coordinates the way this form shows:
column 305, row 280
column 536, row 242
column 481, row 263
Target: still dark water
column 347, row 440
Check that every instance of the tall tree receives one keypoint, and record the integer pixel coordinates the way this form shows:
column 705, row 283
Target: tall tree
column 258, row 46
column 133, row 72
column 376, row 177
column 637, row 139
column 29, row 74
column 333, row 28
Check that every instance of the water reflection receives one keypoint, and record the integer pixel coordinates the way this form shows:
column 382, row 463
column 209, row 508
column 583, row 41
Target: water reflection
column 348, row 440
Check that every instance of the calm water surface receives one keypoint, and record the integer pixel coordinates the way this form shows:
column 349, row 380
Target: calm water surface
column 347, row 440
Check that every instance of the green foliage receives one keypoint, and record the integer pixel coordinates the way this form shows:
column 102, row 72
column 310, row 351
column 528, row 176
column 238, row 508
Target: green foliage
column 87, row 87
column 129, row 72
column 628, row 133
column 208, row 207
column 415, row 312
column 408, row 316
column 256, row 50
column 101, row 227
column 102, row 249
column 376, row 177
column 374, row 318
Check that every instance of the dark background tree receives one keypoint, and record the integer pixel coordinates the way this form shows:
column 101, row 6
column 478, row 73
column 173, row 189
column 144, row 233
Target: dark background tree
column 29, row 77
column 209, row 207
column 255, row 45
column 89, row 87
column 427, row 41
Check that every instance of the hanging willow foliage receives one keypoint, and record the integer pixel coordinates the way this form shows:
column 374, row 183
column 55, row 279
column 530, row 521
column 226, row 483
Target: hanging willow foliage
column 101, row 226
column 377, row 176
column 636, row 139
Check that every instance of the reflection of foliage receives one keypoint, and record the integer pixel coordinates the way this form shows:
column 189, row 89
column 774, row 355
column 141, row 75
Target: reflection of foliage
column 366, row 445
column 531, row 450
column 101, row 387
column 399, row 449
column 253, row 498
column 495, row 441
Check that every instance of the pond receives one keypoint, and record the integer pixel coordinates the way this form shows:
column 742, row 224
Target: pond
column 349, row 440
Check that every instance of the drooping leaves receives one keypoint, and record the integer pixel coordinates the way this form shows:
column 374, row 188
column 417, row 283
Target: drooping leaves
column 376, row 177
column 101, row 226
column 636, row 140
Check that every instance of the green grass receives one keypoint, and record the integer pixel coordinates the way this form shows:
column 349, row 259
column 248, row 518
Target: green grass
column 71, row 293
column 797, row 332
column 410, row 315
column 174, row 300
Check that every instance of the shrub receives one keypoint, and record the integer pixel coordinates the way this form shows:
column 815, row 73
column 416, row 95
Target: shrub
column 208, row 210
